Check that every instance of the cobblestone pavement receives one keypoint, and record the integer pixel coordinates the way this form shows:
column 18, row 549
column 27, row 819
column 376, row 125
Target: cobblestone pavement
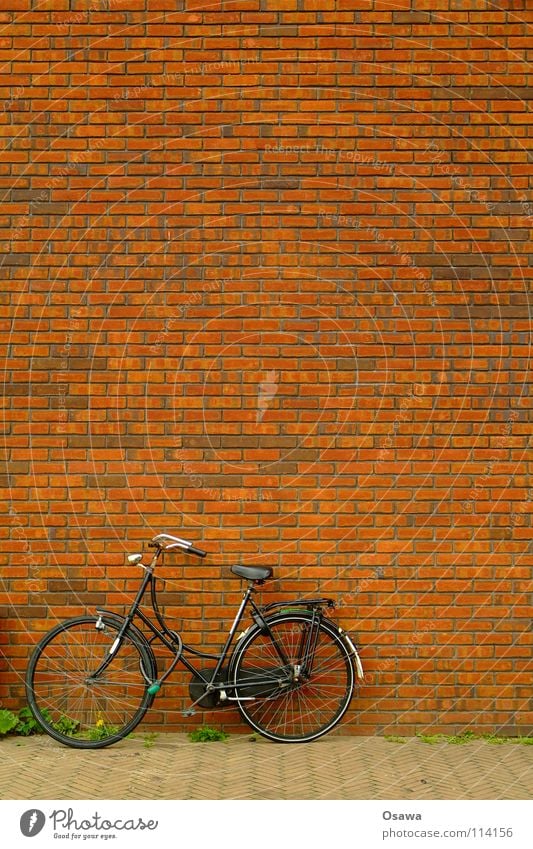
column 171, row 767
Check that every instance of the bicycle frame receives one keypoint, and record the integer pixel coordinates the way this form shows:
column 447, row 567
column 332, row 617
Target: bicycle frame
column 173, row 642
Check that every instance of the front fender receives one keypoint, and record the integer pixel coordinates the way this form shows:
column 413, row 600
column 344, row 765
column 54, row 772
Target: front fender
column 118, row 620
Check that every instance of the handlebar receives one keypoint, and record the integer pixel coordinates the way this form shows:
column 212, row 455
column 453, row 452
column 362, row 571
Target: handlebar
column 198, row 551
column 167, row 542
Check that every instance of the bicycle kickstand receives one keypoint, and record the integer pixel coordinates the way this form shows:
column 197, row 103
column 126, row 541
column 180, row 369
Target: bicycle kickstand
column 190, row 710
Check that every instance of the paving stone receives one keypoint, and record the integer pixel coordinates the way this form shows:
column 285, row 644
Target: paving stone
column 334, row 768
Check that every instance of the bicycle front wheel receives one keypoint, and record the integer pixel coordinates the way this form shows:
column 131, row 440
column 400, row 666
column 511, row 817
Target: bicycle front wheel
column 78, row 697
column 295, row 683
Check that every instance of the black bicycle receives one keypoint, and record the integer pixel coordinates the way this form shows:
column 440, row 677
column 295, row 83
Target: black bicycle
column 291, row 673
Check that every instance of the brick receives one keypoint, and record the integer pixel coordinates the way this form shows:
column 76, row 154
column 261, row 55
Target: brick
column 251, row 348
column 411, row 17
column 16, row 259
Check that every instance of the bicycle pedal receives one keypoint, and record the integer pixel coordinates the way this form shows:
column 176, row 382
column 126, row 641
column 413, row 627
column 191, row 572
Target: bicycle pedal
column 188, row 712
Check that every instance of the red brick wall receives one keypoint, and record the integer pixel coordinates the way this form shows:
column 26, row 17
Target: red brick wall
column 265, row 273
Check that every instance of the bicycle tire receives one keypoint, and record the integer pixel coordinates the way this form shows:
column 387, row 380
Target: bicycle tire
column 88, row 714
column 292, row 711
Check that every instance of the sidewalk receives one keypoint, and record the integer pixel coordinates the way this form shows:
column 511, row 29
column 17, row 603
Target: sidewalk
column 171, row 767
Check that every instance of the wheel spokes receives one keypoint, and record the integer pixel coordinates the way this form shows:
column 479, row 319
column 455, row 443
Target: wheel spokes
column 74, row 703
column 310, row 704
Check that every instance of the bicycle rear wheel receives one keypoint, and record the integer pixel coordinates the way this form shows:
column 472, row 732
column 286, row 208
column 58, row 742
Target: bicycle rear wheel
column 72, row 700
column 278, row 700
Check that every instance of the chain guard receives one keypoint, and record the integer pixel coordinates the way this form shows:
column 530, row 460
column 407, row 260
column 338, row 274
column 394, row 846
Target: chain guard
column 197, row 687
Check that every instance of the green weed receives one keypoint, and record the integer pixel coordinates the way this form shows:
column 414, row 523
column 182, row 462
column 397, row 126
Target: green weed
column 494, row 739
column 468, row 736
column 66, row 725
column 22, row 723
column 149, row 739
column 205, row 734
column 27, row 724
column 8, row 722
column 463, row 737
column 432, row 738
column 100, row 731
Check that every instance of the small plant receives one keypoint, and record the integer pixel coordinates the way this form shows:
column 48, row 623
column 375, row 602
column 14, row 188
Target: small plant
column 27, row 724
column 149, row 739
column 8, row 722
column 459, row 739
column 100, row 730
column 393, row 738
column 66, row 725
column 467, row 737
column 205, row 734
column 494, row 739
column 22, row 722
column 432, row 738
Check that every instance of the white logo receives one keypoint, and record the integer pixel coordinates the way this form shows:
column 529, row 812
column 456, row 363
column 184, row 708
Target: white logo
column 268, row 389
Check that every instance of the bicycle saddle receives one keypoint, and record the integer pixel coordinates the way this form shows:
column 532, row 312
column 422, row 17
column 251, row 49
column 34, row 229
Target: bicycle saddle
column 252, row 573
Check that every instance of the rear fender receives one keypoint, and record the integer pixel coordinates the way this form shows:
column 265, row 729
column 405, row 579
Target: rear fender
column 261, row 626
column 352, row 648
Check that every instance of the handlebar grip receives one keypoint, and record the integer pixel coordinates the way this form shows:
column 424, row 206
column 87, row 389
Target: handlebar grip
column 197, row 551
